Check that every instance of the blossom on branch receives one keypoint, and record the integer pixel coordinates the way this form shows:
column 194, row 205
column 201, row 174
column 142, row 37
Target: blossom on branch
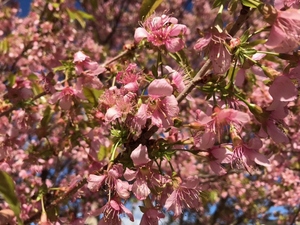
column 214, row 43
column 285, row 32
column 162, row 30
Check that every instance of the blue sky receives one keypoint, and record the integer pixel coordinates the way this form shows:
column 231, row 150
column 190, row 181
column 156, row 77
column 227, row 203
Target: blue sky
column 25, row 7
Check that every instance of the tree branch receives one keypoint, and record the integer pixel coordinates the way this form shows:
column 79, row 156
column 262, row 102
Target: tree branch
column 6, row 112
column 244, row 15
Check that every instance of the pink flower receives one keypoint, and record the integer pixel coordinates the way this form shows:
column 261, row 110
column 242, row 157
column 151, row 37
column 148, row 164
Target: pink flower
column 276, row 113
column 139, row 156
column 140, row 160
column 66, row 96
column 160, row 88
column 162, row 30
column 177, row 79
column 162, row 105
column 83, row 63
column 129, row 78
column 122, row 105
column 204, row 140
column 219, row 155
column 111, row 213
column 287, row 93
column 283, row 4
column 218, row 53
column 285, row 32
column 247, row 154
column 185, row 195
column 164, row 110
column 151, row 216
column 221, row 118
column 111, row 179
column 140, row 117
column 140, row 186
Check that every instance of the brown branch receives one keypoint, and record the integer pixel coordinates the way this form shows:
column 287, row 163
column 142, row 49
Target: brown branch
column 6, row 112
column 122, row 54
column 57, row 201
column 244, row 15
column 296, row 215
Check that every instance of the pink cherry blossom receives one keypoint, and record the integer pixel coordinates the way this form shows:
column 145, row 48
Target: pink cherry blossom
column 163, row 111
column 140, row 186
column 151, row 216
column 160, row 88
column 219, row 155
column 112, row 179
column 111, row 213
column 162, row 30
column 276, row 113
column 139, row 156
column 213, row 42
column 140, row 160
column 282, row 4
column 185, row 194
column 66, row 97
column 247, row 154
column 176, row 78
column 287, row 93
column 129, row 77
column 285, row 32
column 83, row 63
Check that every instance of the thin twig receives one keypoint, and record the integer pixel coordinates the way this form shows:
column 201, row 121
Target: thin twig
column 16, row 106
column 122, row 54
column 244, row 15
column 295, row 216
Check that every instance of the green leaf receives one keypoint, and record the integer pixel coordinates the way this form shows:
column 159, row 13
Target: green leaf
column 4, row 46
column 36, row 89
column 217, row 3
column 32, row 77
column 232, row 6
column 181, row 58
column 148, row 7
column 103, row 152
column 92, row 95
column 249, row 51
column 85, row 15
column 67, row 66
column 245, row 36
column 7, row 189
column 46, row 117
column 79, row 16
column 59, row 68
column 12, row 79
column 251, row 3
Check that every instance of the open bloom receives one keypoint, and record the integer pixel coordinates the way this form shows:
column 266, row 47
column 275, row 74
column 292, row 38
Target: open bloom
column 66, row 96
column 151, row 216
column 140, row 160
column 111, row 213
column 276, row 113
column 111, row 179
column 162, row 30
column 163, row 105
column 285, row 32
column 83, row 63
column 185, row 195
column 129, row 77
column 219, row 155
column 218, row 53
column 246, row 155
